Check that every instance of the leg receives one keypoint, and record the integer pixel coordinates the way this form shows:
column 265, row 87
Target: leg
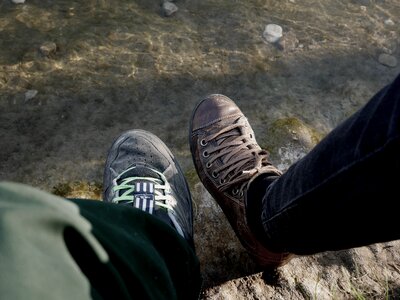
column 83, row 249
column 53, row 248
column 332, row 199
column 344, row 193
column 227, row 158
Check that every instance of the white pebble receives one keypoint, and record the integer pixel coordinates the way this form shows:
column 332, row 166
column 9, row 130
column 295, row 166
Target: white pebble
column 30, row 94
column 389, row 22
column 18, row 1
column 272, row 33
column 169, row 8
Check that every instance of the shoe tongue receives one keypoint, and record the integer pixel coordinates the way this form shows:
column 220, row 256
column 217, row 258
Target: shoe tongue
column 143, row 192
column 139, row 171
column 228, row 137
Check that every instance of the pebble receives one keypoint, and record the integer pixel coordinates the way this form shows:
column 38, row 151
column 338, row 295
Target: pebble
column 169, row 9
column 48, row 48
column 389, row 22
column 30, row 94
column 272, row 33
column 18, row 1
column 387, row 60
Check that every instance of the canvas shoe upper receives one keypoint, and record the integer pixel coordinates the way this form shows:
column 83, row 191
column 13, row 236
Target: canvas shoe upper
column 141, row 172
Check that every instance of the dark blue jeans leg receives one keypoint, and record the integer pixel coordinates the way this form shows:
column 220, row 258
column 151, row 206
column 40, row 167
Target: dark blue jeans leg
column 346, row 192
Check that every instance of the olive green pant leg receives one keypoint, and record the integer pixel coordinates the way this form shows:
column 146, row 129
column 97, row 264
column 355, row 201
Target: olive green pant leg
column 53, row 248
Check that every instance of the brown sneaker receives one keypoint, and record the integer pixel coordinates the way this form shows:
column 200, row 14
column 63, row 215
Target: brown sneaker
column 227, row 158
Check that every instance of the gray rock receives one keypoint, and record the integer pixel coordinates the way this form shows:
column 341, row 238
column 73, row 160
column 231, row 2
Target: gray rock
column 389, row 22
column 48, row 48
column 169, row 9
column 18, row 1
column 289, row 42
column 272, row 33
column 387, row 60
column 30, row 94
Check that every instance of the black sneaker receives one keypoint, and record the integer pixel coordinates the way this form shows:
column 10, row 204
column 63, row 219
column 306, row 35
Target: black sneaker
column 141, row 172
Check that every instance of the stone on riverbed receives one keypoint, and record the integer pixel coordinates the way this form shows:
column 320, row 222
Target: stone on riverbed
column 48, row 48
column 169, row 9
column 272, row 33
column 387, row 60
column 30, row 94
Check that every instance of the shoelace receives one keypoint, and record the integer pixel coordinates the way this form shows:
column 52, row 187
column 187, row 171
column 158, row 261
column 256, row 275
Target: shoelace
column 162, row 190
column 233, row 149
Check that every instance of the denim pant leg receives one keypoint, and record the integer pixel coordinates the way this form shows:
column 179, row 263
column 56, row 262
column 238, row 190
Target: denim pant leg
column 346, row 192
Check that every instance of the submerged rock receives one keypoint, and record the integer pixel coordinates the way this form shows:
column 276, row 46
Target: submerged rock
column 272, row 33
column 389, row 22
column 169, row 9
column 30, row 94
column 387, row 60
column 48, row 48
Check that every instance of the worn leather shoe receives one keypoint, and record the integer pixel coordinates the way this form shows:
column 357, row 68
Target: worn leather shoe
column 227, row 159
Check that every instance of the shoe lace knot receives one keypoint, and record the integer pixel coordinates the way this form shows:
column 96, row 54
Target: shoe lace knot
column 239, row 155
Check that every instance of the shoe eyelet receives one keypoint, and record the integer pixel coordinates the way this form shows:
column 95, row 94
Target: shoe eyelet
column 214, row 174
column 208, row 165
column 241, row 194
column 222, row 181
column 203, row 142
column 206, row 154
column 251, row 135
column 235, row 191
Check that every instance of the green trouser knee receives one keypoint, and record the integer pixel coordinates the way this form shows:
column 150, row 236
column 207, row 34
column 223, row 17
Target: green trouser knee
column 53, row 248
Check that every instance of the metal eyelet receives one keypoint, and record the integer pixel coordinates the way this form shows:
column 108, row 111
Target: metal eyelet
column 214, row 174
column 222, row 181
column 206, row 154
column 241, row 194
column 235, row 191
column 203, row 142
column 208, row 165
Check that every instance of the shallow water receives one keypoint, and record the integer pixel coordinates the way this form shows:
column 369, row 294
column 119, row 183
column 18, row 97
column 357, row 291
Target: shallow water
column 120, row 65
column 123, row 65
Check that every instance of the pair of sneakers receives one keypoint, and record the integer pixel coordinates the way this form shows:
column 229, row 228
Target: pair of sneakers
column 142, row 172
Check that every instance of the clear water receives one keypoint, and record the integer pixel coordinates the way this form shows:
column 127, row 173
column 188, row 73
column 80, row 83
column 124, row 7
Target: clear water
column 121, row 65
